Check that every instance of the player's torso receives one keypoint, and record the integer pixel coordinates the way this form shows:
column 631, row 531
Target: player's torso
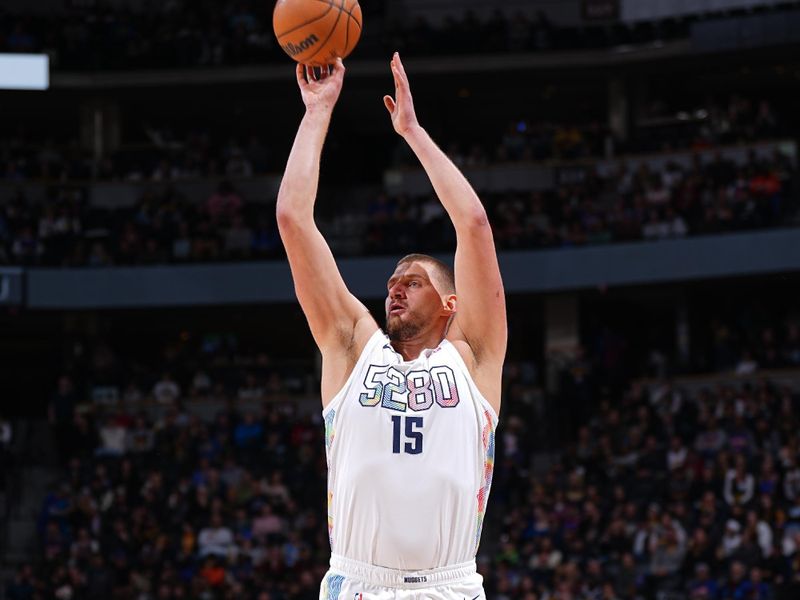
column 410, row 451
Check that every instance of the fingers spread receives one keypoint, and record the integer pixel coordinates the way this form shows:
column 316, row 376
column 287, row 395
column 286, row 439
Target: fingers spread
column 301, row 75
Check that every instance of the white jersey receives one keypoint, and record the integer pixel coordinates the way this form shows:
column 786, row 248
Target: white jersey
column 410, row 449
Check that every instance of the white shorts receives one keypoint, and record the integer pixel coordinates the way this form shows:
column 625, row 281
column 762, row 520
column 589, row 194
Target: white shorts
column 352, row 580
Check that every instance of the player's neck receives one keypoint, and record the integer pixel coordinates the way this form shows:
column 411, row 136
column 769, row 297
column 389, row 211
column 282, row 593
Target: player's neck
column 412, row 348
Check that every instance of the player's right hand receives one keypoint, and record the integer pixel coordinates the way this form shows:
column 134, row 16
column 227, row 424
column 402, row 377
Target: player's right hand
column 401, row 107
column 320, row 90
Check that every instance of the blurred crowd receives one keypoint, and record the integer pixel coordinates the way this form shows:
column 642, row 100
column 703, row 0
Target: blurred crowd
column 622, row 205
column 167, row 152
column 165, row 155
column 686, row 490
column 665, row 493
column 178, row 33
column 589, row 207
column 188, row 366
column 176, row 507
column 662, row 127
column 163, row 226
column 746, row 350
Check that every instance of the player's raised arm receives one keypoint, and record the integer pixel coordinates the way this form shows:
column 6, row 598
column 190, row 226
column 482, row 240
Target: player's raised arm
column 481, row 309
column 333, row 313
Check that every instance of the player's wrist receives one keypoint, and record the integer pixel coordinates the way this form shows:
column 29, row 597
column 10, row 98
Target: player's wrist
column 319, row 112
column 412, row 131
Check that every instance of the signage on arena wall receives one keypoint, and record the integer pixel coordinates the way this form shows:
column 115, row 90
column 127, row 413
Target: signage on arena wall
column 11, row 286
column 653, row 10
column 600, row 10
column 24, row 71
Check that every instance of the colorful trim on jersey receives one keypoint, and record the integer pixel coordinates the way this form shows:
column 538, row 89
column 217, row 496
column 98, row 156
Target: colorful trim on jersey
column 487, row 438
column 330, row 518
column 332, row 587
column 330, row 432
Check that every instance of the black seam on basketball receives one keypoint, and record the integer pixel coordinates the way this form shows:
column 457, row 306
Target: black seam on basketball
column 348, row 49
column 346, row 33
column 296, row 27
column 352, row 16
column 330, row 33
column 343, row 9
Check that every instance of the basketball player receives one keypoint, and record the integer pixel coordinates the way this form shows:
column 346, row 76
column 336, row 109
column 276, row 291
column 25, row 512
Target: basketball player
column 410, row 412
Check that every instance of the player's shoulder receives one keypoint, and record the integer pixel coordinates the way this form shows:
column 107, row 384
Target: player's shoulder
column 464, row 350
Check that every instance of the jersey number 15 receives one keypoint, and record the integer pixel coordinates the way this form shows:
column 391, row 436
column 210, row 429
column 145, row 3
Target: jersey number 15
column 414, row 446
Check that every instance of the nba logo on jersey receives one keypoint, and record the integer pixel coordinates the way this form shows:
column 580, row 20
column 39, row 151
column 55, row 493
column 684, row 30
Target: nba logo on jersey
column 358, row 596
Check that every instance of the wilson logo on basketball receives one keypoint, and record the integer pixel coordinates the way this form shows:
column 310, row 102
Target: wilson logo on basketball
column 293, row 50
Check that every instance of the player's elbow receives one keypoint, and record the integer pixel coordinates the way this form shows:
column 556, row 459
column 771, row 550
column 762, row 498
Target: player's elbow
column 476, row 218
column 284, row 215
column 289, row 216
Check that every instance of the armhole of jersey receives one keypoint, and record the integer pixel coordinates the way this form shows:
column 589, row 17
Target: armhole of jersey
column 449, row 347
column 377, row 337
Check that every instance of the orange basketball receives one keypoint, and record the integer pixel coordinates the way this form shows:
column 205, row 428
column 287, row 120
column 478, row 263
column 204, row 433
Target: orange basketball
column 315, row 32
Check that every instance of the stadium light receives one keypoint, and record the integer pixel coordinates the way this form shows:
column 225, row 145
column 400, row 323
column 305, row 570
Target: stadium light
column 24, row 71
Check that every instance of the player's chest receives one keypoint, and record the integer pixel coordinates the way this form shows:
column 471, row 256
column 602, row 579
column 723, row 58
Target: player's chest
column 411, row 409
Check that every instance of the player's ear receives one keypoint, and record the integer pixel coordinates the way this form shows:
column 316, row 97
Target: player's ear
column 449, row 304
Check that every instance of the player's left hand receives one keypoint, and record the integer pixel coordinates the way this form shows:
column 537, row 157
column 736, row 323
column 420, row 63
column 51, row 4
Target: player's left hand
column 401, row 107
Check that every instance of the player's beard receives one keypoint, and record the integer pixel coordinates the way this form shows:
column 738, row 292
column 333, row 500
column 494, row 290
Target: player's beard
column 400, row 330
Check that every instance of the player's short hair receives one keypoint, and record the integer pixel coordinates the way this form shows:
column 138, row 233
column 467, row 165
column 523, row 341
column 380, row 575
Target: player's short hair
column 445, row 278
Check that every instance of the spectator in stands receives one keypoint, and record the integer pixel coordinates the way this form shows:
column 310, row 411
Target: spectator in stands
column 737, row 585
column 140, row 438
column 238, row 165
column 201, row 384
column 216, row 539
column 60, row 414
column 791, row 345
column 739, row 484
column 224, row 204
column 238, row 239
column 24, row 585
column 747, row 364
column 667, row 551
column 213, row 573
column 249, row 433
column 113, row 436
column 267, row 526
column 27, row 248
column 5, row 434
column 166, row 390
